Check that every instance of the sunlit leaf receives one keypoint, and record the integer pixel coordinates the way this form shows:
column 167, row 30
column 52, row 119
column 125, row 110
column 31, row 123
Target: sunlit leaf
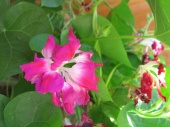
column 165, row 91
column 130, row 117
column 161, row 12
column 122, row 19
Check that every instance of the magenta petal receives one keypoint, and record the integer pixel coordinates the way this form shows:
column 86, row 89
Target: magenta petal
column 56, row 99
column 67, row 93
column 83, row 74
column 68, row 98
column 50, row 82
column 50, row 47
column 63, row 54
column 69, row 108
column 83, row 57
column 65, row 99
column 73, row 41
column 81, row 94
column 35, row 69
column 67, row 51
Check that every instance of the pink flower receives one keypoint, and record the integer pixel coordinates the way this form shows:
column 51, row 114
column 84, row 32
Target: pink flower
column 69, row 85
column 40, row 70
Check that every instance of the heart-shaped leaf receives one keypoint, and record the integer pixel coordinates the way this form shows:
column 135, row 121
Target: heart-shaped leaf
column 4, row 5
column 3, row 102
column 20, row 23
column 32, row 110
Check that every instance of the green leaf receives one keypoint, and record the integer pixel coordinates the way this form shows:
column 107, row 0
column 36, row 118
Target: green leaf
column 3, row 102
column 4, row 5
column 165, row 91
column 122, row 19
column 38, row 42
column 110, row 110
column 22, row 86
column 107, row 44
column 128, row 118
column 120, row 97
column 103, row 93
column 83, row 31
column 161, row 12
column 32, row 109
column 17, row 1
column 20, row 23
column 134, row 60
column 102, row 118
column 113, row 47
column 51, row 3
column 63, row 37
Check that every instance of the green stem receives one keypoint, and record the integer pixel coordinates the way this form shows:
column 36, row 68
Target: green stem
column 95, row 23
column 94, row 98
column 115, row 37
column 12, row 92
column 147, row 25
column 78, row 113
column 71, row 10
column 7, row 87
column 111, row 74
column 107, row 4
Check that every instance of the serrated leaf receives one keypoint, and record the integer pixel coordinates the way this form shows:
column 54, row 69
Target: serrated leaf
column 32, row 109
column 161, row 12
column 20, row 23
column 3, row 102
